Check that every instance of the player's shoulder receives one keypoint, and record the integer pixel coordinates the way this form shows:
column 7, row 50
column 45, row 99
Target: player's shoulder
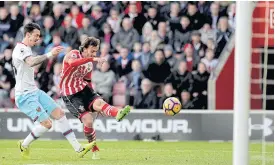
column 74, row 54
column 20, row 48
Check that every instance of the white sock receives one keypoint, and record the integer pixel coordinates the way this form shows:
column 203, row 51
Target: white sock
column 66, row 130
column 36, row 133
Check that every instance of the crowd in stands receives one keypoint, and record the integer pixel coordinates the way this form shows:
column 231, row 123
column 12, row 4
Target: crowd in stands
column 154, row 50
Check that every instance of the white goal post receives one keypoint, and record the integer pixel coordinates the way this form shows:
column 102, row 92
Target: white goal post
column 242, row 72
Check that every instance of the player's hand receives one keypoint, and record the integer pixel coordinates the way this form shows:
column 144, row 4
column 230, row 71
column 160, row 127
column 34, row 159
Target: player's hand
column 56, row 50
column 101, row 61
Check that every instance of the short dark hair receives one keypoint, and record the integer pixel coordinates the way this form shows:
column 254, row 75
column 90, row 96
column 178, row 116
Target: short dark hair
column 28, row 28
column 89, row 41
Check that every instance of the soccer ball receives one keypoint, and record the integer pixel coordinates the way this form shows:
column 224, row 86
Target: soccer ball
column 171, row 106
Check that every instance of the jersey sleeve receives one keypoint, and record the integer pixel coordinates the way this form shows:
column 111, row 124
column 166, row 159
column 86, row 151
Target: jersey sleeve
column 24, row 53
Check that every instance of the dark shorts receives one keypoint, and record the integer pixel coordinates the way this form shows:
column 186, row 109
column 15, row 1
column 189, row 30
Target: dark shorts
column 82, row 102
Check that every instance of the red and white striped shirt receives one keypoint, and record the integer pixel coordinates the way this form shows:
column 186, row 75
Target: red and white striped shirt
column 75, row 71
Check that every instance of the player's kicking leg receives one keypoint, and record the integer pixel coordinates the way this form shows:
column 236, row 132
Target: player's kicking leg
column 100, row 105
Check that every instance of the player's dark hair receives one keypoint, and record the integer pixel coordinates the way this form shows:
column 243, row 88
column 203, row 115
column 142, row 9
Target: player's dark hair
column 28, row 28
column 89, row 41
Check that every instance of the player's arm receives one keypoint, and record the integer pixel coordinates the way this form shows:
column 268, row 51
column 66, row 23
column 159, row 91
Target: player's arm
column 35, row 60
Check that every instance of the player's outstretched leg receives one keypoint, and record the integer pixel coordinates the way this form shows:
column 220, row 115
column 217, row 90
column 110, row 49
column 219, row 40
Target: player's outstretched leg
column 63, row 125
column 89, row 132
column 107, row 109
column 39, row 129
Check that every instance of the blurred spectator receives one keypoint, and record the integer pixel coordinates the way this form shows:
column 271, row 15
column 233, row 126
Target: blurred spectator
column 146, row 56
column 136, row 18
column 204, row 7
column 155, row 41
column 87, row 28
column 104, row 53
column 191, row 59
column 103, row 80
column 231, row 12
column 126, row 37
column 105, row 6
column 186, row 101
column 199, row 89
column 77, row 17
column 8, row 59
column 169, row 56
column 182, row 34
column 69, row 33
column 136, row 3
column 42, row 75
column 146, row 32
column 153, row 17
column 207, row 33
column 137, row 51
column 214, row 15
column 160, row 65
column 163, row 8
column 54, row 91
column 57, row 42
column 20, row 34
column 47, row 30
column 180, row 79
column 16, row 20
column 136, row 76
column 35, row 14
column 199, row 47
column 146, row 98
column 107, row 33
column 167, row 92
column 98, row 18
column 208, row 60
column 223, row 35
column 211, row 44
column 165, row 36
column 4, row 27
column 39, row 48
column 58, row 15
column 114, row 20
column 173, row 16
column 86, row 7
column 124, row 62
column 196, row 18
column 7, row 82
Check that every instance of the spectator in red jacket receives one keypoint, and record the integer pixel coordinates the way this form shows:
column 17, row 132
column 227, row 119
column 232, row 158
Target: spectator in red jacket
column 137, row 19
column 191, row 60
column 77, row 17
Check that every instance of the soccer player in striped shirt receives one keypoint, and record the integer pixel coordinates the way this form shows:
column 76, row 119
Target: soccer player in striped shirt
column 80, row 99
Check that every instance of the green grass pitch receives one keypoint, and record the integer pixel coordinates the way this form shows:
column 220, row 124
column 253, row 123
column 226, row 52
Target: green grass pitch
column 132, row 153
